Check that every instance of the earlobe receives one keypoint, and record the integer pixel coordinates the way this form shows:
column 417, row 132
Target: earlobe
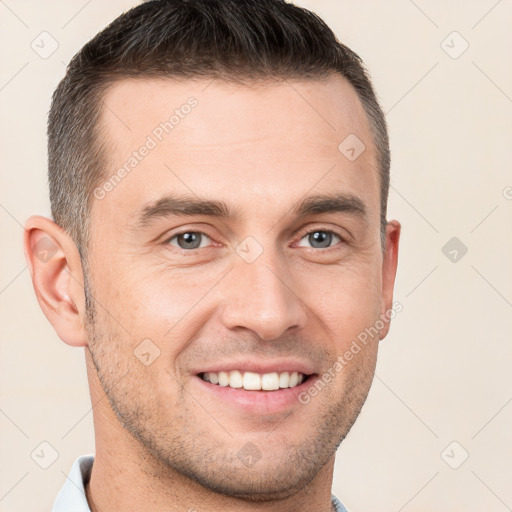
column 389, row 266
column 56, row 271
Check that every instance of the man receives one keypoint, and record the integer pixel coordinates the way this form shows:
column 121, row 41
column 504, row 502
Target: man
column 218, row 178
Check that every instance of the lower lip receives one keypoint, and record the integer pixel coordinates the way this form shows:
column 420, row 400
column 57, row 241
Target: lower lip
column 257, row 402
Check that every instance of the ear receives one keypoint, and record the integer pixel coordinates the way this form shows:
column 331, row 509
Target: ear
column 56, row 271
column 389, row 265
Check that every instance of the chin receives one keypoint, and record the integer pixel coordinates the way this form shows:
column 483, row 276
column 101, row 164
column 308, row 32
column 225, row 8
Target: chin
column 256, row 485
column 250, row 474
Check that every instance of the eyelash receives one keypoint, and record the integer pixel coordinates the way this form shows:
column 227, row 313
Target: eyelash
column 303, row 235
column 314, row 230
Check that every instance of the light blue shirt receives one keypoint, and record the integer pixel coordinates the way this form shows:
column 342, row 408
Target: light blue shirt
column 71, row 497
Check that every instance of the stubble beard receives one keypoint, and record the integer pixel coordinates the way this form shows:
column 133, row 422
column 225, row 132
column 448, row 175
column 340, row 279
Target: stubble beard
column 192, row 452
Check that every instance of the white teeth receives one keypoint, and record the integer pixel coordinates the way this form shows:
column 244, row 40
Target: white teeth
column 223, row 378
column 270, row 381
column 252, row 381
column 255, row 381
column 294, row 379
column 235, row 379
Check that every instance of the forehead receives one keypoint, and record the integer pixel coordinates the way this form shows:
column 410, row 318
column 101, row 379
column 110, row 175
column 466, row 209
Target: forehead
column 228, row 110
column 272, row 142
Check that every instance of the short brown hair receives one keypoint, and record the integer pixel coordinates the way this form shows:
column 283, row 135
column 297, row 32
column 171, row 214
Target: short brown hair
column 237, row 40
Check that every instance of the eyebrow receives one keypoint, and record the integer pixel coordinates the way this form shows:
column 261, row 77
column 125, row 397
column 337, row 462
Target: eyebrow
column 188, row 206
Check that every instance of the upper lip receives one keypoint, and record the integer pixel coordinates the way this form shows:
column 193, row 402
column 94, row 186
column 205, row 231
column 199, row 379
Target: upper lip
column 262, row 367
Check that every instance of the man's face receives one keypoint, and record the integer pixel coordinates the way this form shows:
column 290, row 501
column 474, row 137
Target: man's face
column 264, row 289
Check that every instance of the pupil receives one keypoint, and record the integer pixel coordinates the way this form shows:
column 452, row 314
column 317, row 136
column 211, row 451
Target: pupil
column 322, row 237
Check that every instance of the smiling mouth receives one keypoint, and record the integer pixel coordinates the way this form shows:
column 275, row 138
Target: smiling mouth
column 255, row 381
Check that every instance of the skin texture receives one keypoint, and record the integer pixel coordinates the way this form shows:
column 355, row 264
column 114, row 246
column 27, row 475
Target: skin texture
column 162, row 442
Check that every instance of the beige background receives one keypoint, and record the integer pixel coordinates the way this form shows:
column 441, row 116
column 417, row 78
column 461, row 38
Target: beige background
column 444, row 372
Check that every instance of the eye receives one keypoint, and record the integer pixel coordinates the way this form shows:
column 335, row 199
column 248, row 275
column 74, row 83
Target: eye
column 188, row 240
column 320, row 238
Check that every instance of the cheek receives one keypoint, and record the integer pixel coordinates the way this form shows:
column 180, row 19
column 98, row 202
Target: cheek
column 140, row 297
column 165, row 305
column 158, row 303
column 346, row 301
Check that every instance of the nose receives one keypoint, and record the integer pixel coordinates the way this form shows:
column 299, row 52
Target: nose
column 260, row 296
